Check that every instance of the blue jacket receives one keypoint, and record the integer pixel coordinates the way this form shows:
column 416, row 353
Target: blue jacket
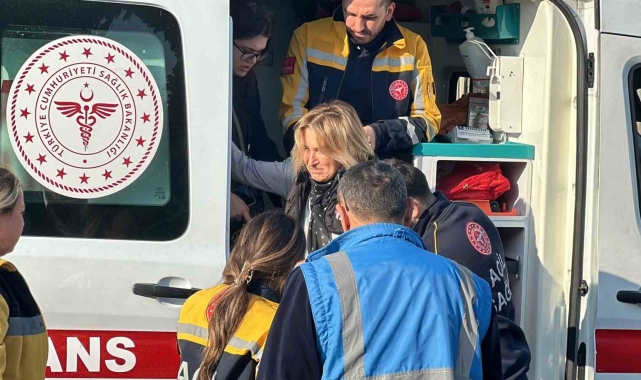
column 383, row 306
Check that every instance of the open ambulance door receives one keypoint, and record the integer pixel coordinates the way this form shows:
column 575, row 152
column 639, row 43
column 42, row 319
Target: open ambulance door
column 126, row 206
column 616, row 319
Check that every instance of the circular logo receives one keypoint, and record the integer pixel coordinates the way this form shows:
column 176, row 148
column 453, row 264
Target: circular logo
column 85, row 116
column 478, row 238
column 399, row 89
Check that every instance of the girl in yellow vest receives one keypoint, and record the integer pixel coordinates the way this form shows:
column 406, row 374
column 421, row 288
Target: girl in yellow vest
column 23, row 336
column 222, row 330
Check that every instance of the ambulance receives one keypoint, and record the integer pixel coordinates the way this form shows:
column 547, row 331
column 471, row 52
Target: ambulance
column 117, row 117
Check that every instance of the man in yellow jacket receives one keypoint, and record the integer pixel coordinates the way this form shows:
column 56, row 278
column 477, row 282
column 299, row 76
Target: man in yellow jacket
column 362, row 56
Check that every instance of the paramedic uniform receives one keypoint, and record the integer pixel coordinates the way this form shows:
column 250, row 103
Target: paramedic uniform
column 243, row 352
column 389, row 81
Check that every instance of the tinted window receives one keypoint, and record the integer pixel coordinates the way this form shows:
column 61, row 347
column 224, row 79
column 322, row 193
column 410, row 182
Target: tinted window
column 155, row 206
column 635, row 102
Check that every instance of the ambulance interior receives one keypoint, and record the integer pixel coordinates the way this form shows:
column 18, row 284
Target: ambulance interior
column 536, row 109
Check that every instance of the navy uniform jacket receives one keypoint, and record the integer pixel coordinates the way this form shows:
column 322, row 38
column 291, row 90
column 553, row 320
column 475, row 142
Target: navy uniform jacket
column 461, row 232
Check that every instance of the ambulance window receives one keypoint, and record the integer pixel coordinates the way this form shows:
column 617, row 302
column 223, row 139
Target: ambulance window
column 635, row 102
column 156, row 205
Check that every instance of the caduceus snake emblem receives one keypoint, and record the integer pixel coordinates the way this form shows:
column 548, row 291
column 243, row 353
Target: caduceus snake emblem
column 85, row 118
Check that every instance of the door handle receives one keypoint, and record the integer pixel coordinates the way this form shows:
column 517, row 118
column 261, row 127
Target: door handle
column 629, row 296
column 159, row 291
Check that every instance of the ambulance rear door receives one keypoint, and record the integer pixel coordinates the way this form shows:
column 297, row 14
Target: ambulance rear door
column 115, row 115
column 618, row 239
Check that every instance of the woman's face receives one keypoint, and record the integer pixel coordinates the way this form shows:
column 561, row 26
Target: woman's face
column 11, row 226
column 245, row 51
column 320, row 167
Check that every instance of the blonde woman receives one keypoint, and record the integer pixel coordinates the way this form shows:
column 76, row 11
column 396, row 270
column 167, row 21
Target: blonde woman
column 23, row 346
column 329, row 139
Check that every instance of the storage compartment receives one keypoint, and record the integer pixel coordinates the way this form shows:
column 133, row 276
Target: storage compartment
column 502, row 27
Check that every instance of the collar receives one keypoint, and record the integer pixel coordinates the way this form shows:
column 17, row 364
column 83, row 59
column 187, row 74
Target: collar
column 363, row 234
column 435, row 209
column 395, row 36
column 264, row 291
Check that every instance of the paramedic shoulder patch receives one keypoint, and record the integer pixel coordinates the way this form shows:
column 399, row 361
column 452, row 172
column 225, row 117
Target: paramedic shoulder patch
column 399, row 89
column 85, row 116
column 288, row 66
column 478, row 238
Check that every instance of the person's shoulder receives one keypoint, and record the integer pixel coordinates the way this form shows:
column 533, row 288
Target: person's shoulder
column 412, row 38
column 316, row 27
column 198, row 302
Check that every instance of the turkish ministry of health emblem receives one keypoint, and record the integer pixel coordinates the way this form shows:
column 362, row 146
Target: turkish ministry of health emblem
column 85, row 116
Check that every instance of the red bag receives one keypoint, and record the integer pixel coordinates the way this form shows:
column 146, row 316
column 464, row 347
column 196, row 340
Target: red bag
column 474, row 181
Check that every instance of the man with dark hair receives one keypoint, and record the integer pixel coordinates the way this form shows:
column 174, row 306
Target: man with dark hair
column 363, row 57
column 374, row 304
column 460, row 231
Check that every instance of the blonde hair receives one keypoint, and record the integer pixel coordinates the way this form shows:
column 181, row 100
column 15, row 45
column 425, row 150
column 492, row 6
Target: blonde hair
column 9, row 190
column 339, row 132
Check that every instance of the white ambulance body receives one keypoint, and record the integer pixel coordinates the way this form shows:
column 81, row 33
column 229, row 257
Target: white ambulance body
column 111, row 272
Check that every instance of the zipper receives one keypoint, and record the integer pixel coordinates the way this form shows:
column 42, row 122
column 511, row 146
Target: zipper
column 322, row 94
column 371, row 76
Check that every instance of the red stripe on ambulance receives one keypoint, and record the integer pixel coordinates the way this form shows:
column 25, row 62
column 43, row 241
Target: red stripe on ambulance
column 112, row 355
column 617, row 351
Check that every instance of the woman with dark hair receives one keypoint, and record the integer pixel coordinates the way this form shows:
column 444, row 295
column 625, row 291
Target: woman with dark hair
column 222, row 330
column 252, row 26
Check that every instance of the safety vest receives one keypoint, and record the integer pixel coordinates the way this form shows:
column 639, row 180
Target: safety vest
column 385, row 308
column 245, row 348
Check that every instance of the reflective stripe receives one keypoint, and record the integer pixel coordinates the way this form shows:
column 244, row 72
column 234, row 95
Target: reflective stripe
column 353, row 343
column 468, row 335
column 417, row 84
column 187, row 328
column 428, row 374
column 327, row 57
column 236, row 342
column 244, row 345
column 26, row 326
column 411, row 130
column 407, row 60
column 299, row 99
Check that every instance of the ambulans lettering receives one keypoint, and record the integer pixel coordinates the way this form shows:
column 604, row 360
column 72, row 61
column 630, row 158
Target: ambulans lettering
column 499, row 275
column 91, row 357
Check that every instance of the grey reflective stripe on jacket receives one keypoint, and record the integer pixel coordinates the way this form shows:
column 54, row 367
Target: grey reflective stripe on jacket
column 273, row 177
column 353, row 341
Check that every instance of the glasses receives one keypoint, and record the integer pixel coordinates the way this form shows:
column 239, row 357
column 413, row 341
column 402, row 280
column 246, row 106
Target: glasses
column 249, row 56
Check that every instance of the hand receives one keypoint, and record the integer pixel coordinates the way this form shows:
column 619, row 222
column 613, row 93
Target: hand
column 371, row 136
column 239, row 209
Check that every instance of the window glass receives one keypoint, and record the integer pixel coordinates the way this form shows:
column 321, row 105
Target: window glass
column 635, row 102
column 155, row 205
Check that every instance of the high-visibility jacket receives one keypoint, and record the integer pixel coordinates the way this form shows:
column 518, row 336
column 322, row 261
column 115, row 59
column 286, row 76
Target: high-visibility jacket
column 23, row 335
column 243, row 352
column 385, row 308
column 404, row 111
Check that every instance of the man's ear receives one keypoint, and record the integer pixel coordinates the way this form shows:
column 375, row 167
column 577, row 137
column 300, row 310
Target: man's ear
column 416, row 209
column 343, row 217
column 409, row 212
column 390, row 11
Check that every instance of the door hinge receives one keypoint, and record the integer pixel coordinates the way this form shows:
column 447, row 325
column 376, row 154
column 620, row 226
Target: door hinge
column 583, row 288
column 591, row 70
